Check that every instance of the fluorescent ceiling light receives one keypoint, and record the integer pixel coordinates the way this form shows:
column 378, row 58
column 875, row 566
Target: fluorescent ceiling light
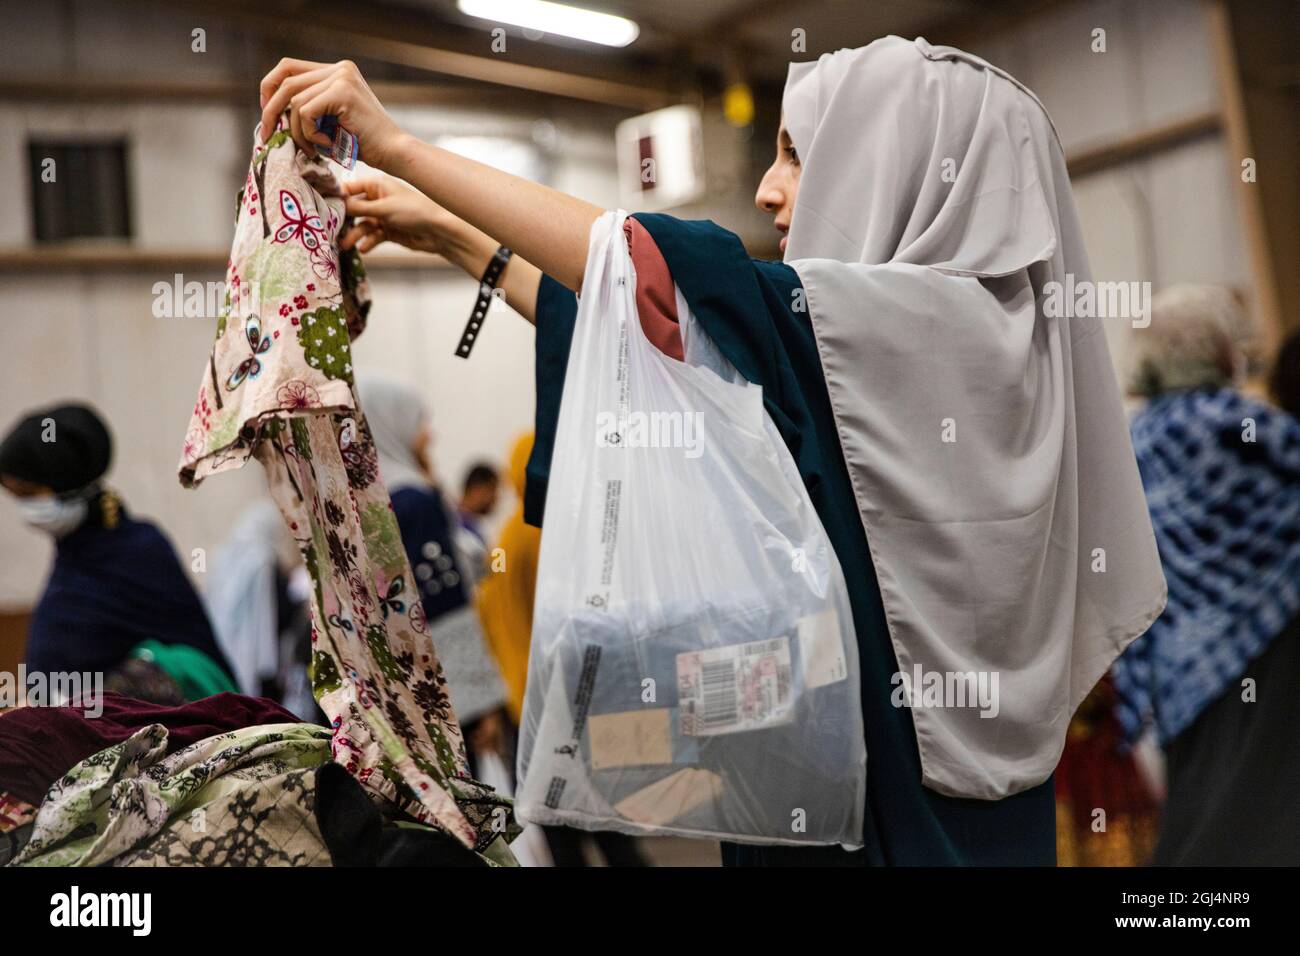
column 557, row 18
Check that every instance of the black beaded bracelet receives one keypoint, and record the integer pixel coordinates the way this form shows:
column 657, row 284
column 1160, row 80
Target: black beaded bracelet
column 489, row 282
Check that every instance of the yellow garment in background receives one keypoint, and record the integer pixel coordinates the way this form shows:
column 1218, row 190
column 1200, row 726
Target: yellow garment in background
column 505, row 596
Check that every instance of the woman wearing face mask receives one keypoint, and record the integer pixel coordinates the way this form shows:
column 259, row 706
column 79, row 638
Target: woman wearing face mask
column 116, row 582
column 965, row 450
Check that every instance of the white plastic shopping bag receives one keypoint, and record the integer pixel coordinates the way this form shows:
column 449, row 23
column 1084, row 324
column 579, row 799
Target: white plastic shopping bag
column 694, row 670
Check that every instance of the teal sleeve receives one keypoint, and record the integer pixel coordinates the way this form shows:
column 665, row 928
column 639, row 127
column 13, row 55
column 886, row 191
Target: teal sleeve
column 556, row 311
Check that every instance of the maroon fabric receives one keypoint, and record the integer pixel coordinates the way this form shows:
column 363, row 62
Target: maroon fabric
column 656, row 296
column 38, row 745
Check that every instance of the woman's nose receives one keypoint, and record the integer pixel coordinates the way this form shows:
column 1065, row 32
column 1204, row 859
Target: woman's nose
column 768, row 198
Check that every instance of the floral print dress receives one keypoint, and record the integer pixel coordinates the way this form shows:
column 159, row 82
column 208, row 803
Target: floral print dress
column 278, row 386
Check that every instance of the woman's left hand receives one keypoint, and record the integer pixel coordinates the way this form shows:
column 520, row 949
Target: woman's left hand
column 312, row 90
column 387, row 208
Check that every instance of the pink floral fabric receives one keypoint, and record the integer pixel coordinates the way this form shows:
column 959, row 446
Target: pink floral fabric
column 278, row 386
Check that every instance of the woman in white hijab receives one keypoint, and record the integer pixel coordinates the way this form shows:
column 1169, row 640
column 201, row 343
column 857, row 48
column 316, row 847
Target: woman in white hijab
column 399, row 426
column 967, row 453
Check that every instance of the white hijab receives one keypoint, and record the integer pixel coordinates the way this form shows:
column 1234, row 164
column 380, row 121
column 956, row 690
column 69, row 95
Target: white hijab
column 395, row 413
column 986, row 443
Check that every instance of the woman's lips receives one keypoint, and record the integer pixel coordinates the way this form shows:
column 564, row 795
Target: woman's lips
column 784, row 240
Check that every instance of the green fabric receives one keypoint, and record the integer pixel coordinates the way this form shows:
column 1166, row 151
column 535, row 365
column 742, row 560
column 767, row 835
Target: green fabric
column 197, row 674
column 126, row 796
column 754, row 312
column 243, row 798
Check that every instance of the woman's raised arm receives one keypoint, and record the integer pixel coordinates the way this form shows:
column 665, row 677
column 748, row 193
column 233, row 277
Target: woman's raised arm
column 546, row 227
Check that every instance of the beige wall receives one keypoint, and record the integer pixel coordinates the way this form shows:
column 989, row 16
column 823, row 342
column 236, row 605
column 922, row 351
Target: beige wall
column 93, row 336
column 1166, row 218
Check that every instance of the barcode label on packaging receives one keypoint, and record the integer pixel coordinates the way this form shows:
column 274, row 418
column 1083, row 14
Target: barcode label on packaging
column 554, row 792
column 609, row 528
column 729, row 689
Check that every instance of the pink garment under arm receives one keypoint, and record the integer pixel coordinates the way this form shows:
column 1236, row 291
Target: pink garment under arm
column 656, row 298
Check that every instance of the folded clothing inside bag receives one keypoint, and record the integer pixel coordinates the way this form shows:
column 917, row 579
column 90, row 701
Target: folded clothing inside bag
column 676, row 727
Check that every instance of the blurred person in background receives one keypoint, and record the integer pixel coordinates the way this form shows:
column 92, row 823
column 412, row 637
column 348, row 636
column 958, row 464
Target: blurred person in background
column 401, row 431
column 1284, row 383
column 505, row 600
column 117, row 599
column 1100, row 772
column 1215, row 675
column 481, row 491
column 258, row 598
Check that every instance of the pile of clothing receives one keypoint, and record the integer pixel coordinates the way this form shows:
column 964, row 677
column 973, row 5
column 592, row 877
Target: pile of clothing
column 225, row 781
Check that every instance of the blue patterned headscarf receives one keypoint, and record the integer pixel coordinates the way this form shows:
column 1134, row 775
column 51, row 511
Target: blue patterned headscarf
column 1222, row 478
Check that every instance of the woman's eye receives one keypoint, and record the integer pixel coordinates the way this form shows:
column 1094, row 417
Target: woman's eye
column 793, row 154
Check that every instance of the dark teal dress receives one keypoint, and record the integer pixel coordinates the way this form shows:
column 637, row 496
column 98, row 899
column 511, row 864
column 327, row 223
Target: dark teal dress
column 746, row 307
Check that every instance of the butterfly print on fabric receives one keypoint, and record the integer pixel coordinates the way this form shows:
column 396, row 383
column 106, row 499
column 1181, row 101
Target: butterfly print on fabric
column 250, row 367
column 390, row 601
column 299, row 224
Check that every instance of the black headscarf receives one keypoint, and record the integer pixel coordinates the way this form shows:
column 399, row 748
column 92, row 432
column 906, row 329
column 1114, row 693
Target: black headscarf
column 65, row 448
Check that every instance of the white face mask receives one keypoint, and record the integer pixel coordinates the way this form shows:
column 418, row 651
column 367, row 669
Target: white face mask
column 53, row 515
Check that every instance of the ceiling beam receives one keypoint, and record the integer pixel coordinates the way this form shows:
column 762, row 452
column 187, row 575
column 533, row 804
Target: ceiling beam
column 1143, row 143
column 117, row 90
column 359, row 39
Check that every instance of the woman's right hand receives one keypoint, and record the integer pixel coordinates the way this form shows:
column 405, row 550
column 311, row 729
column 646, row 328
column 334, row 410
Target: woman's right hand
column 312, row 90
column 389, row 209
